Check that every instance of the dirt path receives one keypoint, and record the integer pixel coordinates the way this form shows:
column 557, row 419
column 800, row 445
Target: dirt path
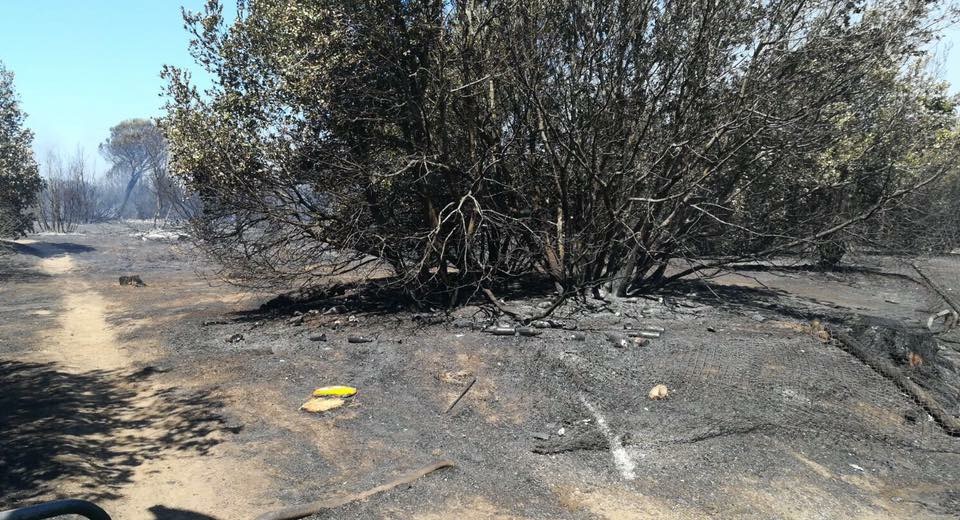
column 170, row 482
column 83, row 341
column 140, row 399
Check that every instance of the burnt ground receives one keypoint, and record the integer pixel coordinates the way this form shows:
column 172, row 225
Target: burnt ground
column 133, row 397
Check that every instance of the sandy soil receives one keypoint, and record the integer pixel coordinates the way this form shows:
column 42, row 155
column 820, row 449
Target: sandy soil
column 134, row 398
column 172, row 482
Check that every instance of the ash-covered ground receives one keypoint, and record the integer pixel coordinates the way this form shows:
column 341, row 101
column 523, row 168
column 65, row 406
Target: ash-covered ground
column 181, row 399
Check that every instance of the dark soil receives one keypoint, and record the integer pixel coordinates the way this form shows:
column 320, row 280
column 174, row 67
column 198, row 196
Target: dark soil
column 765, row 418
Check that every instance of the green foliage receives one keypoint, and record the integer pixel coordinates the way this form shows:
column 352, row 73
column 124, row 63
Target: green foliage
column 465, row 143
column 19, row 175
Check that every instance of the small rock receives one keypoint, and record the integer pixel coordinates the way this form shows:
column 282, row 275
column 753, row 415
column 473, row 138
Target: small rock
column 133, row 280
column 314, row 311
column 540, row 436
column 332, row 310
column 540, row 324
column 236, row 338
column 527, row 331
column 352, row 319
column 659, row 392
column 502, row 331
column 711, row 329
column 318, row 337
column 544, row 305
column 359, row 339
column 618, row 340
column 562, row 431
column 296, row 320
column 578, row 336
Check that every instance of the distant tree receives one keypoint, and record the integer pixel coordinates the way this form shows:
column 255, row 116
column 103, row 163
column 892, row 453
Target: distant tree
column 135, row 148
column 69, row 196
column 19, row 175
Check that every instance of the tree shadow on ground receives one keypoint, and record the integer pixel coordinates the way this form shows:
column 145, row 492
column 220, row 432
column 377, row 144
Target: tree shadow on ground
column 756, row 299
column 817, row 268
column 14, row 274
column 48, row 249
column 92, row 429
column 386, row 296
column 14, row 269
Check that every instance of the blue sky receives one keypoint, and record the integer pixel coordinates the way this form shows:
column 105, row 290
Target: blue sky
column 84, row 65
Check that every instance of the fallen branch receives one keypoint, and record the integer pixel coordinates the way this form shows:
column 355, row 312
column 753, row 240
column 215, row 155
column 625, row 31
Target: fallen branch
column 591, row 440
column 950, row 319
column 312, row 508
column 936, row 288
column 947, row 421
column 516, row 315
column 459, row 397
column 726, row 432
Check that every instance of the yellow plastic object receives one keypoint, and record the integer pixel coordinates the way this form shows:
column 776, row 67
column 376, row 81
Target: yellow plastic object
column 335, row 391
column 321, row 405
